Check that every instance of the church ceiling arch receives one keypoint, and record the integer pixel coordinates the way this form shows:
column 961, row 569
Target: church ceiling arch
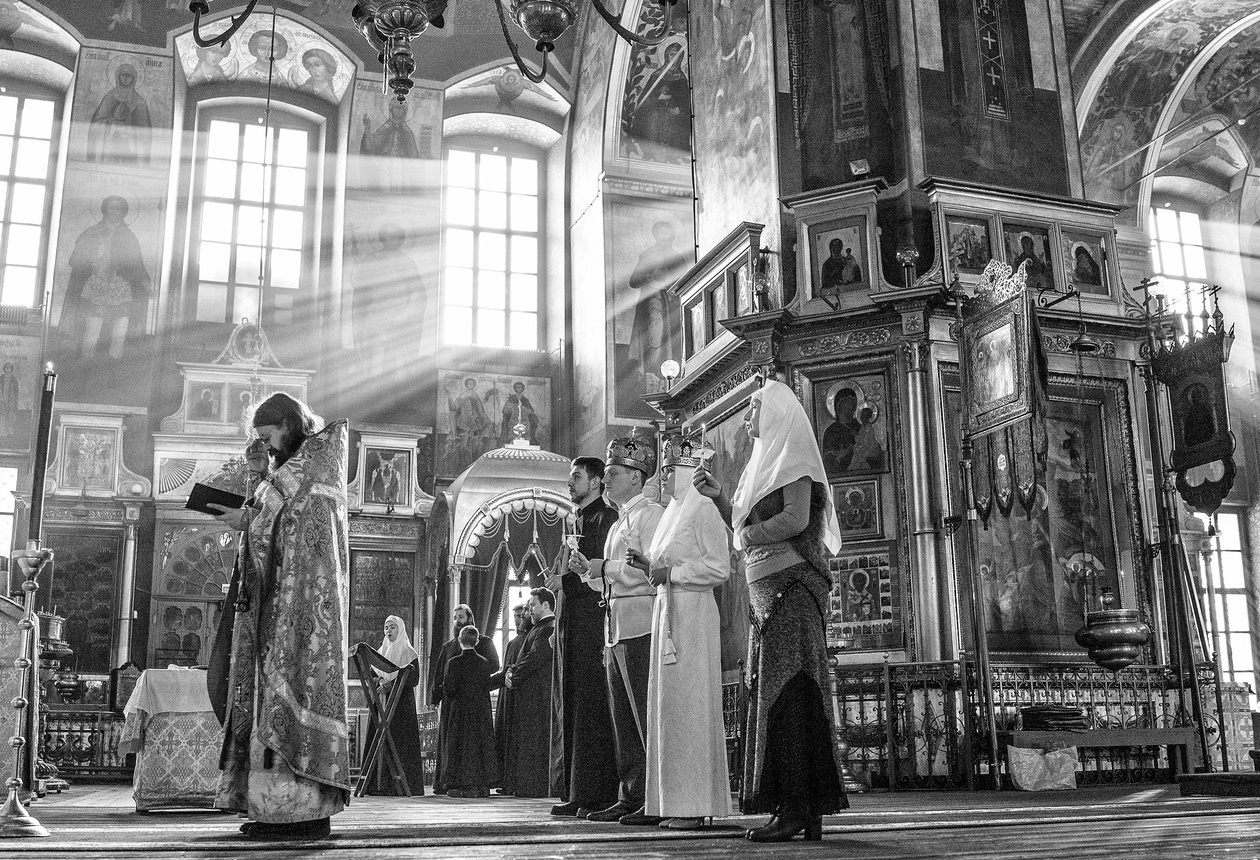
column 648, row 113
column 1125, row 115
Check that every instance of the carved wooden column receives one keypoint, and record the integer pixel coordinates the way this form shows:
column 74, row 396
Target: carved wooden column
column 925, row 546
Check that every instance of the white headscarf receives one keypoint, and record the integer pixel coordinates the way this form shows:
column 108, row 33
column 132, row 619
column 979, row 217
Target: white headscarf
column 687, row 507
column 784, row 451
column 399, row 652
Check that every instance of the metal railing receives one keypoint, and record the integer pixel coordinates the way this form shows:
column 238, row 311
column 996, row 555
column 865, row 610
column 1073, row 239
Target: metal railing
column 919, row 725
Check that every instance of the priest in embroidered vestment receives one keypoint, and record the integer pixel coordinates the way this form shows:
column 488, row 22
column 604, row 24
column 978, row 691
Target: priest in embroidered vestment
column 286, row 749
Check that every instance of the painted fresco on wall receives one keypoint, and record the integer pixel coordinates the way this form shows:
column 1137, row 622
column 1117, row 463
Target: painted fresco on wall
column 305, row 61
column 592, row 356
column 395, row 147
column 478, row 412
column 733, row 449
column 649, row 247
column 984, row 119
column 1127, row 108
column 103, row 296
column 390, row 294
column 26, row 29
column 1226, row 83
column 122, row 108
column 21, row 377
column 842, row 95
column 852, row 414
column 735, row 143
column 656, row 103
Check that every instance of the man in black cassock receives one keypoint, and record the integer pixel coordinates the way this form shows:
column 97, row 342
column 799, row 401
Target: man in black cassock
column 462, row 617
column 468, row 750
column 584, row 757
column 504, row 706
column 528, row 756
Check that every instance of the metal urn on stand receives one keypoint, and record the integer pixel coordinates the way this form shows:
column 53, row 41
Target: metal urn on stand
column 1113, row 637
column 15, row 820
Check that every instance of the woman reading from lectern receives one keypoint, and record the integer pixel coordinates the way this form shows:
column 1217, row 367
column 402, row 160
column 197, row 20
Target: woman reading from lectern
column 785, row 524
column 403, row 728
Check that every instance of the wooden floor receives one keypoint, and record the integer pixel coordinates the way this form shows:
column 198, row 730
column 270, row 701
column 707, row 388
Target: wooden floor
column 1114, row 822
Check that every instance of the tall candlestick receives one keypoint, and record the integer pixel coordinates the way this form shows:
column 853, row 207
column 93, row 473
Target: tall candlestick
column 42, row 437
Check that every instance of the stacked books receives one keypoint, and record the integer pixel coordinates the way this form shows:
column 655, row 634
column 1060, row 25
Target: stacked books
column 1055, row 718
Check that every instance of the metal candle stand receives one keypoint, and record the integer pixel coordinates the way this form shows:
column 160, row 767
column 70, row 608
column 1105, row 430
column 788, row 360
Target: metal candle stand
column 15, row 820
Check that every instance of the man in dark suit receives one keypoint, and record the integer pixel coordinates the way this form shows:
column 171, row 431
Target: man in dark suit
column 528, row 757
column 504, row 706
column 584, row 753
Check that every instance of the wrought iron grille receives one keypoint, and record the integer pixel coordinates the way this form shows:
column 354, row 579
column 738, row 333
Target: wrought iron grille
column 84, row 742
column 905, row 725
column 919, row 725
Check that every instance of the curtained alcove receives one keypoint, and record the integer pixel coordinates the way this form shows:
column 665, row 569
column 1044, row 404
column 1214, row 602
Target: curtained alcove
column 504, row 518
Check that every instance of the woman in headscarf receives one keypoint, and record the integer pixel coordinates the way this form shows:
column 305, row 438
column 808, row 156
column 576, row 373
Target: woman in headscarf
column 403, row 730
column 785, row 524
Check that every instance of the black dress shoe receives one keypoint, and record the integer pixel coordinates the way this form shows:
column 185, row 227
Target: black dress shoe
column 317, row 828
column 570, row 808
column 612, row 813
column 784, row 828
column 640, row 818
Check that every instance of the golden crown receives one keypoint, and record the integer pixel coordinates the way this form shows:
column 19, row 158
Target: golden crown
column 634, row 453
column 682, row 451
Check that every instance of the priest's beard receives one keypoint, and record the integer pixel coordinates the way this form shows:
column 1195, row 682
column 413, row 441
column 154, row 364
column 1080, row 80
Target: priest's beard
column 289, row 446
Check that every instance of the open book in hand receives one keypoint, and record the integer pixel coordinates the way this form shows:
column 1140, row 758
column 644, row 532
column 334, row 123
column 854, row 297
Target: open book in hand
column 203, row 495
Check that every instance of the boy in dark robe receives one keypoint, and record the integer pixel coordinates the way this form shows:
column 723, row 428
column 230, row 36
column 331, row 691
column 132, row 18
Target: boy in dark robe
column 462, row 617
column 468, row 749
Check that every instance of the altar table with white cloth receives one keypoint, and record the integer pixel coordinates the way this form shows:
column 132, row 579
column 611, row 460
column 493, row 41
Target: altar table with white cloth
column 176, row 738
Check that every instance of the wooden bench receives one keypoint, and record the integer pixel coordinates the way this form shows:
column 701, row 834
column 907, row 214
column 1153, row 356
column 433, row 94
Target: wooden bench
column 1178, row 740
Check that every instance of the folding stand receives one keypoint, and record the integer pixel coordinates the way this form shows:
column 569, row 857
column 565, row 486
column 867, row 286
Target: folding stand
column 381, row 707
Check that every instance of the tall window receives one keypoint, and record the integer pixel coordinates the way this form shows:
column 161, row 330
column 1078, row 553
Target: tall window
column 1178, row 259
column 505, row 630
column 491, row 249
column 26, row 165
column 1227, row 612
column 253, row 217
column 8, row 485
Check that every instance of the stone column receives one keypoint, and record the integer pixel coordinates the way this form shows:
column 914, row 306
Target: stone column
column 131, row 516
column 925, row 558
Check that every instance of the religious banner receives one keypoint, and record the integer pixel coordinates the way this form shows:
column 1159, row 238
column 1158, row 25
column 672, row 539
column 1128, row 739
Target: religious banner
column 1203, row 444
column 1001, row 357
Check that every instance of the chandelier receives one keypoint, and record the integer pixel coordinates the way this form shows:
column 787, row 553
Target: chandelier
column 389, row 26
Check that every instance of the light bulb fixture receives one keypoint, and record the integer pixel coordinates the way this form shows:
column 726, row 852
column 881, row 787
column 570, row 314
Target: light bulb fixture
column 670, row 369
column 390, row 26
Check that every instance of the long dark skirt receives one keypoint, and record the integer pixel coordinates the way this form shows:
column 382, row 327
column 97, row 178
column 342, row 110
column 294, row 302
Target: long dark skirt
column 405, row 732
column 790, row 758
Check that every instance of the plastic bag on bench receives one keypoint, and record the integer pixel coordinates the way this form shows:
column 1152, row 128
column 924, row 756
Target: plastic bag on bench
column 1042, row 770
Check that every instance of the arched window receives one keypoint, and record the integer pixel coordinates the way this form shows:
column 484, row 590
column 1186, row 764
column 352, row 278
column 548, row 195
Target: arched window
column 252, row 214
column 27, row 161
column 492, row 246
column 1178, row 255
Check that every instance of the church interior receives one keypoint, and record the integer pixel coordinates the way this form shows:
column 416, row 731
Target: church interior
column 999, row 250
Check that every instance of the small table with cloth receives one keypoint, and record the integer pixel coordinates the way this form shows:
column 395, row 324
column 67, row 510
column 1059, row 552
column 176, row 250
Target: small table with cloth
column 176, row 738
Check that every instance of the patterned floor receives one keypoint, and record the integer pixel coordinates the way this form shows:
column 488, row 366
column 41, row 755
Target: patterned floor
column 100, row 821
